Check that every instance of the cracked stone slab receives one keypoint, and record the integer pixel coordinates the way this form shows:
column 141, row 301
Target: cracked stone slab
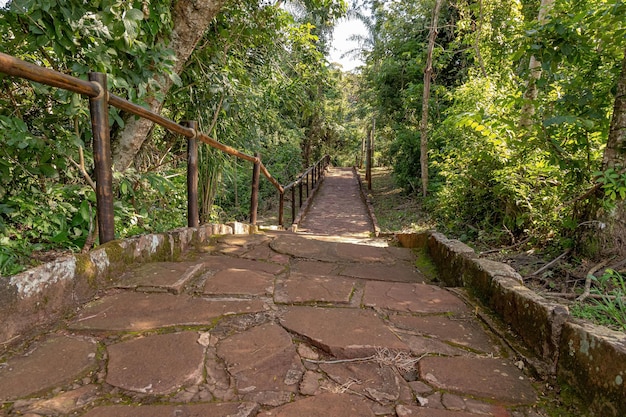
column 459, row 403
column 304, row 288
column 66, row 402
column 137, row 311
column 313, row 267
column 262, row 359
column 219, row 263
column 458, row 330
column 245, row 241
column 157, row 364
column 323, row 405
column 414, row 298
column 422, row 345
column 415, row 411
column 301, row 247
column 490, row 378
column 405, row 254
column 265, row 253
column 55, row 361
column 392, row 273
column 343, row 332
column 378, row 383
column 234, row 281
column 160, row 276
column 191, row 410
column 363, row 253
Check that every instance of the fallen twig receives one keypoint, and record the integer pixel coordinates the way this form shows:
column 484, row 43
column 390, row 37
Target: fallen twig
column 589, row 278
column 365, row 359
column 571, row 296
column 551, row 263
column 520, row 243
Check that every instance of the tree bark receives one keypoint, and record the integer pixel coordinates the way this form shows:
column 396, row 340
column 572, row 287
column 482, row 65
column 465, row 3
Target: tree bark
column 615, row 151
column 530, row 95
column 614, row 239
column 428, row 72
column 191, row 18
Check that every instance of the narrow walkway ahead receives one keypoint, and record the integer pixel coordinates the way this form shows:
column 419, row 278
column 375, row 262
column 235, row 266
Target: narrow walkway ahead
column 273, row 324
column 337, row 208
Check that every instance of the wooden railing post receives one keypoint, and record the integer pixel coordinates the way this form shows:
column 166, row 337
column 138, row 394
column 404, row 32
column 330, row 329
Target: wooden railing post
column 193, row 217
column 293, row 204
column 281, row 208
column 368, row 168
column 307, row 185
column 254, row 198
column 99, row 109
column 368, row 160
column 300, row 194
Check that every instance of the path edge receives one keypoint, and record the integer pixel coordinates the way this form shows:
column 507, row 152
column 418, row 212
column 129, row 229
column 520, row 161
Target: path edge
column 589, row 358
column 38, row 297
column 368, row 203
column 307, row 203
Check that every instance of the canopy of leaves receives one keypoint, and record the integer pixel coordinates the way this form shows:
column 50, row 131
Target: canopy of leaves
column 488, row 173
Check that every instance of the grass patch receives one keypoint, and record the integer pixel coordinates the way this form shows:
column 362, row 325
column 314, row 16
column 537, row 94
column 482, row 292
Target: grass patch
column 395, row 210
column 608, row 307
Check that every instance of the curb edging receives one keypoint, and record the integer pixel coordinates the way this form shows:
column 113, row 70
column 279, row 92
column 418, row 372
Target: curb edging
column 589, row 358
column 38, row 297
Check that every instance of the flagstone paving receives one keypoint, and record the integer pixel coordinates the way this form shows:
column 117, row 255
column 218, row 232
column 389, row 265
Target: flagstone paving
column 272, row 324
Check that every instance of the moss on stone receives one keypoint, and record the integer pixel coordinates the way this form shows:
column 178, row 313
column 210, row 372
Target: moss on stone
column 86, row 269
column 425, row 264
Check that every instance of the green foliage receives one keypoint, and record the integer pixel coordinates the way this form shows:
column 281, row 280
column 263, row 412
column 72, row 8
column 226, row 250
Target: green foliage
column 489, row 175
column 610, row 308
column 258, row 81
column 613, row 185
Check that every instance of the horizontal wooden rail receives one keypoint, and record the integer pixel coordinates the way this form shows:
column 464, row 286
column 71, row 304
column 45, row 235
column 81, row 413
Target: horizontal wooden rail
column 97, row 92
column 315, row 173
column 18, row 68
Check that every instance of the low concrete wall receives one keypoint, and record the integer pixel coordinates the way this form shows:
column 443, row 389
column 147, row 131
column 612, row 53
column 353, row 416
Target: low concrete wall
column 40, row 296
column 589, row 358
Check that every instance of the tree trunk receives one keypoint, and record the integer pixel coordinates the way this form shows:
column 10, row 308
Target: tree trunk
column 614, row 239
column 428, row 72
column 191, row 18
column 528, row 109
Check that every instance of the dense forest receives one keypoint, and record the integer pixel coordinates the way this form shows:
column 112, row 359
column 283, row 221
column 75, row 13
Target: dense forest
column 506, row 118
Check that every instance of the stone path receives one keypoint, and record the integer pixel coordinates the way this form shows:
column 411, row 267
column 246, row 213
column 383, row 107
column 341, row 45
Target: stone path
column 273, row 324
column 337, row 209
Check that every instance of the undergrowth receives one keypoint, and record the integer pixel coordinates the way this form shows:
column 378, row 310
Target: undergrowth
column 397, row 211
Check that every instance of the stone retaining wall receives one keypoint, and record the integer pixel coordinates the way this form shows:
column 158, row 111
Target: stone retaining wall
column 589, row 358
column 40, row 296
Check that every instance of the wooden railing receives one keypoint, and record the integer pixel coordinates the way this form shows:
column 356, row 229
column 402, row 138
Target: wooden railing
column 308, row 180
column 99, row 100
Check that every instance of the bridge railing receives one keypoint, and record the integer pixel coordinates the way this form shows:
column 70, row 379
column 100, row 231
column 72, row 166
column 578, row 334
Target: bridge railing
column 306, row 182
column 99, row 99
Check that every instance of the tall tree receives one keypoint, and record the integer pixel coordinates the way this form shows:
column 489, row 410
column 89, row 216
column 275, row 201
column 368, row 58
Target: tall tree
column 190, row 19
column 428, row 74
column 615, row 159
column 534, row 67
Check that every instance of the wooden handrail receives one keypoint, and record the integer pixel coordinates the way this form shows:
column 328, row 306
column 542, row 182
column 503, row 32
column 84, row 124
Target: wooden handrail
column 301, row 176
column 19, row 68
column 317, row 170
column 96, row 90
